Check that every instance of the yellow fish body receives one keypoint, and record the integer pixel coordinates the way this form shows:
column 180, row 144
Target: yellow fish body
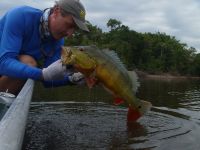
column 105, row 67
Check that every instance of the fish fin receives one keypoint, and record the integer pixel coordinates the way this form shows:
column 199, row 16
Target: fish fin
column 113, row 56
column 133, row 115
column 91, row 82
column 134, row 78
column 145, row 107
column 118, row 101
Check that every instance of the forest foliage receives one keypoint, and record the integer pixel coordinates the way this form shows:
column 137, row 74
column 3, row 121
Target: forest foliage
column 154, row 53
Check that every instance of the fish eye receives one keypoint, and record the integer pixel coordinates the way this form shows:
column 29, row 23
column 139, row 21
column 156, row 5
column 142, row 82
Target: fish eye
column 69, row 66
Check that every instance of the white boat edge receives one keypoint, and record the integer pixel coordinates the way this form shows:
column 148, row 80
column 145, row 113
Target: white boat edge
column 13, row 123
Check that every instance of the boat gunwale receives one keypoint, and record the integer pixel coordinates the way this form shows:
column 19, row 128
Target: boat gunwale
column 13, row 123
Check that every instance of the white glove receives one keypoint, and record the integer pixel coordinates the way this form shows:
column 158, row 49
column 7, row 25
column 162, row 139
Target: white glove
column 77, row 78
column 55, row 71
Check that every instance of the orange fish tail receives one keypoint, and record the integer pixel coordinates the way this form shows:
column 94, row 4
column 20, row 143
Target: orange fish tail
column 133, row 115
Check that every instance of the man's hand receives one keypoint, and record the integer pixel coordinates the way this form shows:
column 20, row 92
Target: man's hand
column 77, row 78
column 55, row 71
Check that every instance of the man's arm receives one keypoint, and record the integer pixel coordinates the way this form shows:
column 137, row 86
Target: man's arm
column 11, row 43
column 12, row 67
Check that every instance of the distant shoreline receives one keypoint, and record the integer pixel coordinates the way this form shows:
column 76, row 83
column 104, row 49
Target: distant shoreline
column 164, row 76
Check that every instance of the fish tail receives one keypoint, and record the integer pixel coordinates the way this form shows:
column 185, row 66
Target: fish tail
column 134, row 114
column 145, row 107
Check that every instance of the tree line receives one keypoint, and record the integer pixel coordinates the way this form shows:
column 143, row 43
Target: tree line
column 154, row 53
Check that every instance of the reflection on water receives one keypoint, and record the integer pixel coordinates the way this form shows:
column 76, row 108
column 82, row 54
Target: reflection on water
column 94, row 123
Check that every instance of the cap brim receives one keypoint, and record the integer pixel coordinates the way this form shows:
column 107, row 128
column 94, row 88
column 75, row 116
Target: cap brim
column 81, row 24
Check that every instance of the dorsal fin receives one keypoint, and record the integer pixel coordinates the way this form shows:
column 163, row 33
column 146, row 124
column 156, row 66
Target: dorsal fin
column 113, row 55
column 130, row 74
column 134, row 78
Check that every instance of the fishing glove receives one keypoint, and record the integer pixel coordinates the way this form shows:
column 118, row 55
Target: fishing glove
column 77, row 78
column 55, row 71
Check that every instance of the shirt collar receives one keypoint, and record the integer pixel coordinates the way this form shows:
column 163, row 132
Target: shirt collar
column 44, row 25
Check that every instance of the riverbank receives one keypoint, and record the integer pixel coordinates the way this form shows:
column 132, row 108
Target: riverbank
column 164, row 76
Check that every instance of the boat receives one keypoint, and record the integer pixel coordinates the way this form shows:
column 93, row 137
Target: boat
column 14, row 112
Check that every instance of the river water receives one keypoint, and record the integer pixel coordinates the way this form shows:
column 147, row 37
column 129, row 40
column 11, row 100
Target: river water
column 75, row 118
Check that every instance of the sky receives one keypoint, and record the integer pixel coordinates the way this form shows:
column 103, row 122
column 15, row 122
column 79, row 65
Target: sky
column 179, row 18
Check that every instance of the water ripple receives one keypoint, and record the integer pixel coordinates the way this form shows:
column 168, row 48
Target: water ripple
column 102, row 126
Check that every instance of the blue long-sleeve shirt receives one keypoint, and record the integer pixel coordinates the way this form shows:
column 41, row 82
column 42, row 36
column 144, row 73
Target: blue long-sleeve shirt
column 19, row 34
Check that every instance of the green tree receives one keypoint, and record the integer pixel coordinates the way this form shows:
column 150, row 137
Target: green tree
column 113, row 24
column 151, row 52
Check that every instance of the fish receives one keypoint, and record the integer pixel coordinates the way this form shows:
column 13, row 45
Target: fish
column 104, row 67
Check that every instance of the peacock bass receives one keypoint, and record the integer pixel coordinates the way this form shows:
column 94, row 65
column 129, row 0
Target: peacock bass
column 105, row 67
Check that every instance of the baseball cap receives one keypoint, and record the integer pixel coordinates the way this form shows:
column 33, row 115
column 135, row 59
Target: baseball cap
column 76, row 8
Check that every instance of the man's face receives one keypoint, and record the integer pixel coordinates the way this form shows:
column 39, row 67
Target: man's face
column 61, row 26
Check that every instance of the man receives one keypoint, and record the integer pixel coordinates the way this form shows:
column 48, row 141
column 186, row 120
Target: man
column 28, row 35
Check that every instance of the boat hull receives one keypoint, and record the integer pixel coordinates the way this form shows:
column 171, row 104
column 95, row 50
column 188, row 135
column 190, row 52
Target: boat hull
column 13, row 123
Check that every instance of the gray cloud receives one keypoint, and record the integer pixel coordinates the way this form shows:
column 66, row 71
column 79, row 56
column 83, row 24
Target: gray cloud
column 175, row 17
column 8, row 4
column 179, row 18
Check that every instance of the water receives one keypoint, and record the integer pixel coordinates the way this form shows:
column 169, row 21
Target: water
column 92, row 122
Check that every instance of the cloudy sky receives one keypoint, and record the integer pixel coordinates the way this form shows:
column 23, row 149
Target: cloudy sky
column 179, row 18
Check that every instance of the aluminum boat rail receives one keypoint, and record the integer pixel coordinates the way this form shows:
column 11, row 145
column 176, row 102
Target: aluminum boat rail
column 13, row 123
